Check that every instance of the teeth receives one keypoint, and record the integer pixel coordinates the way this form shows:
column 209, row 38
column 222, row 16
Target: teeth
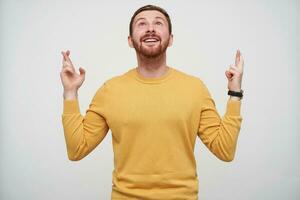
column 150, row 40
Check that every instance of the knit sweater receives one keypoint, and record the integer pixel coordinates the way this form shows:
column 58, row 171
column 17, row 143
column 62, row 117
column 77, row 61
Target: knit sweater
column 154, row 123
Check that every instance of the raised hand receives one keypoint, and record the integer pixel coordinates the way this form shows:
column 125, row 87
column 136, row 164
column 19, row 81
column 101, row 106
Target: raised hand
column 235, row 73
column 70, row 79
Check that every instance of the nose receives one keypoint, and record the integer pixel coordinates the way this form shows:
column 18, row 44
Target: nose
column 150, row 28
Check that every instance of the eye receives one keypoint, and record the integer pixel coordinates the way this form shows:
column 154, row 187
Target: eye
column 141, row 24
column 158, row 23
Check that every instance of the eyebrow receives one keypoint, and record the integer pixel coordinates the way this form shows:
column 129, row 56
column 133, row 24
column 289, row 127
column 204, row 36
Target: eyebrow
column 145, row 18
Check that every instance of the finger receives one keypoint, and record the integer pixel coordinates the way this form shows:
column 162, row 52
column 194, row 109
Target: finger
column 234, row 67
column 62, row 53
column 241, row 63
column 237, row 72
column 66, row 62
column 66, row 56
column 82, row 71
column 232, row 71
column 237, row 57
column 228, row 74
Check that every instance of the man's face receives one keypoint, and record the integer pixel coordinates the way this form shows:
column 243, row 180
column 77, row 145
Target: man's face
column 150, row 34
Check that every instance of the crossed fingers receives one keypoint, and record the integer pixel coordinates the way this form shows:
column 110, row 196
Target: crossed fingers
column 66, row 61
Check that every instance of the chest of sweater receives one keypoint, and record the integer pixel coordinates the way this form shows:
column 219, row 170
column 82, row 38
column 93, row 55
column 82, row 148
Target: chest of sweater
column 152, row 108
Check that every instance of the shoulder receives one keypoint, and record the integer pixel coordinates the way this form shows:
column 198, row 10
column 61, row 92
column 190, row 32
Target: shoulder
column 189, row 78
column 113, row 83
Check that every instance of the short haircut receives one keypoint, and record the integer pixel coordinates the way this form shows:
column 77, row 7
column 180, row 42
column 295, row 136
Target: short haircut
column 150, row 7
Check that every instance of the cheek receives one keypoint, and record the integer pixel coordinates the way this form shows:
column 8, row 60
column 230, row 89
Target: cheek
column 164, row 34
column 166, row 37
column 137, row 35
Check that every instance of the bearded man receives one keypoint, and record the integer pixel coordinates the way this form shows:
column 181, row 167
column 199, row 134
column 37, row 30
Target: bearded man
column 155, row 113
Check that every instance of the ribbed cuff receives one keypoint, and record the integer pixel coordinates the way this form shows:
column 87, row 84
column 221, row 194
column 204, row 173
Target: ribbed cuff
column 71, row 107
column 233, row 108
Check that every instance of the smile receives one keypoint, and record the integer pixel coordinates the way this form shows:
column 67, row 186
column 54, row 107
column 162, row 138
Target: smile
column 151, row 40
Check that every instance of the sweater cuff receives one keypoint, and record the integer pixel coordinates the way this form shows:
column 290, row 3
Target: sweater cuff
column 233, row 108
column 71, row 107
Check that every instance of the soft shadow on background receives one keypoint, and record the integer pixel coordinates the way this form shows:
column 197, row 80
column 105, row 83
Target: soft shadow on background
column 33, row 158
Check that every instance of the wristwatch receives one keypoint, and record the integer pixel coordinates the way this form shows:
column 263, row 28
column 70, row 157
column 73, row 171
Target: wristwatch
column 236, row 94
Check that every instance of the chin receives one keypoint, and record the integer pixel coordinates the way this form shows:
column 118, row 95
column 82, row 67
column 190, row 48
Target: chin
column 152, row 54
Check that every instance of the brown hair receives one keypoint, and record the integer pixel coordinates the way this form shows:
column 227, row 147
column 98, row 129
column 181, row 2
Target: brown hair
column 150, row 7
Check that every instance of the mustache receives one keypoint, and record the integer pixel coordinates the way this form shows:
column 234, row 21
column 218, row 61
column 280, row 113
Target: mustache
column 150, row 36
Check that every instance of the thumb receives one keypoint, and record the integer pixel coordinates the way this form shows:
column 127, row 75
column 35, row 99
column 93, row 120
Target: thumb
column 82, row 71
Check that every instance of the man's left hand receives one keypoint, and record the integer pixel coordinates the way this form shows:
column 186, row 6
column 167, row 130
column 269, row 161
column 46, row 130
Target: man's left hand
column 235, row 73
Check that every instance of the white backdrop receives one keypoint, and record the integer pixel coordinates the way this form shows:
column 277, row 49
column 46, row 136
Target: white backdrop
column 34, row 163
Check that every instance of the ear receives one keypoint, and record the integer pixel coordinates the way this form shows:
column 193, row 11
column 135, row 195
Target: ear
column 130, row 41
column 171, row 40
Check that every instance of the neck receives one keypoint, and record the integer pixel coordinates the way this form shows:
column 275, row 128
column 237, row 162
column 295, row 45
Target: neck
column 152, row 67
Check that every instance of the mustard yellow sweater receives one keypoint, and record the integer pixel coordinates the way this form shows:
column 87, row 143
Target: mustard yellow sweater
column 154, row 123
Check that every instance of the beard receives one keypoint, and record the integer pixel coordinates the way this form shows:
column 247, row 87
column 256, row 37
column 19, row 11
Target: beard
column 150, row 51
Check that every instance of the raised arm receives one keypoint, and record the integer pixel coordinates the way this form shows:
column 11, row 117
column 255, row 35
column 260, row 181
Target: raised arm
column 82, row 133
column 220, row 135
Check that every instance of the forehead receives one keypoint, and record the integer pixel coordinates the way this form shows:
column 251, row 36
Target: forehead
column 150, row 14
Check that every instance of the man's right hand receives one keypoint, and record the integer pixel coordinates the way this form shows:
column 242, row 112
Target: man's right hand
column 70, row 79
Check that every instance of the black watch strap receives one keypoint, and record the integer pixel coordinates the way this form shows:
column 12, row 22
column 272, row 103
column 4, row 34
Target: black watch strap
column 236, row 94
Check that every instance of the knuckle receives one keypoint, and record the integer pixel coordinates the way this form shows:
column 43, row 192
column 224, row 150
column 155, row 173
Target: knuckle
column 68, row 68
column 66, row 63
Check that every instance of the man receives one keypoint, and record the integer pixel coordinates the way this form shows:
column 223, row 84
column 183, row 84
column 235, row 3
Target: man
column 154, row 112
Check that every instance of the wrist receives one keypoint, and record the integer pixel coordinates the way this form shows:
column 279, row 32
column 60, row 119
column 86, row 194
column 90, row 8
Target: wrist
column 236, row 89
column 235, row 95
column 233, row 98
column 70, row 95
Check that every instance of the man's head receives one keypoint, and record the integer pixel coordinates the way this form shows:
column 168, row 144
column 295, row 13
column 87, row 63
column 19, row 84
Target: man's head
column 150, row 31
column 150, row 7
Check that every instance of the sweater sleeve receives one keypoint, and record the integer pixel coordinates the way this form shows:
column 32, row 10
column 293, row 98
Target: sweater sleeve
column 84, row 133
column 219, row 135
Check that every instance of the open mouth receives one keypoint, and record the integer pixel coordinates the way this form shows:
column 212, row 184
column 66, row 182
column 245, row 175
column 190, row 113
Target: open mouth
column 150, row 40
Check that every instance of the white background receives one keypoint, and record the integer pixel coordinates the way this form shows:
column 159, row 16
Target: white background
column 33, row 158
